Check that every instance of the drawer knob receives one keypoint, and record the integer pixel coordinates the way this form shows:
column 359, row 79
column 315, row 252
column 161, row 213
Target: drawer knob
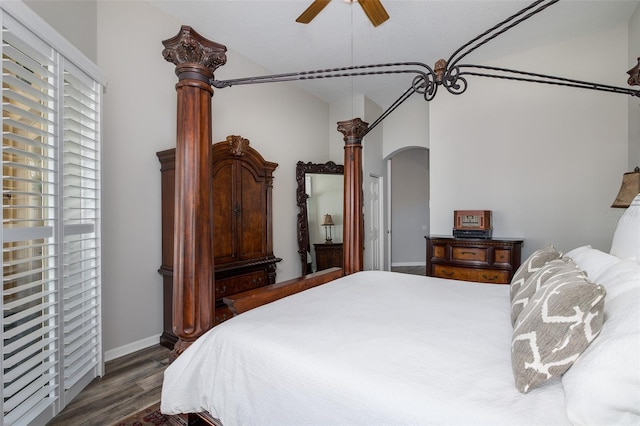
column 448, row 273
column 492, row 278
column 224, row 288
column 469, row 252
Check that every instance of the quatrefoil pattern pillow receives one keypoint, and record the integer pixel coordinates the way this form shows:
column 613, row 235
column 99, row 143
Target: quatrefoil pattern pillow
column 555, row 327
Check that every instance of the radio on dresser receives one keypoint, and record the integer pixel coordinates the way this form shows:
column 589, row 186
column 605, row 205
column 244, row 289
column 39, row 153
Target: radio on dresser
column 472, row 224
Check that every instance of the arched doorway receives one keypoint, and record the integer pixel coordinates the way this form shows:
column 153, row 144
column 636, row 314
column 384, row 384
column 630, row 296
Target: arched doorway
column 409, row 214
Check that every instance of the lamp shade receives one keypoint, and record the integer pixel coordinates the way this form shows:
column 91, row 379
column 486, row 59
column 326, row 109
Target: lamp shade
column 327, row 221
column 629, row 189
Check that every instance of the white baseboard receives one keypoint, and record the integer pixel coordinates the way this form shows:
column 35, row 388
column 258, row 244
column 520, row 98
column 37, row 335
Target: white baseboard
column 400, row 264
column 131, row 347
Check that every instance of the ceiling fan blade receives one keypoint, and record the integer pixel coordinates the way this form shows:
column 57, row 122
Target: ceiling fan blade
column 375, row 11
column 311, row 12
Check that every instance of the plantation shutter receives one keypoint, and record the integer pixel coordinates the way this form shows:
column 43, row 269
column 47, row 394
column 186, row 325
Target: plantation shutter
column 29, row 192
column 81, row 202
column 50, row 334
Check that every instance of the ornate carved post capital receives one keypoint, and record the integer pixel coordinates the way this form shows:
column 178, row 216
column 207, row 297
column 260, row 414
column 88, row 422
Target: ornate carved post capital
column 353, row 130
column 195, row 57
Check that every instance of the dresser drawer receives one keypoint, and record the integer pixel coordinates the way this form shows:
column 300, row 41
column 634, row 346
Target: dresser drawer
column 503, row 256
column 244, row 282
column 492, row 276
column 439, row 252
column 453, row 273
column 470, row 254
column 468, row 274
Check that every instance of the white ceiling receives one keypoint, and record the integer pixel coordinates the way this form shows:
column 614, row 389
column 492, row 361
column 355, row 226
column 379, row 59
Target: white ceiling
column 418, row 30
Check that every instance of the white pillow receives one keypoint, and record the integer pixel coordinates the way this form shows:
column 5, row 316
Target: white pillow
column 626, row 238
column 593, row 261
column 603, row 385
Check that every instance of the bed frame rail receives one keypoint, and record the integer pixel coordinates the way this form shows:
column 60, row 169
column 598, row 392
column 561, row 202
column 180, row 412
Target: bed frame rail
column 247, row 300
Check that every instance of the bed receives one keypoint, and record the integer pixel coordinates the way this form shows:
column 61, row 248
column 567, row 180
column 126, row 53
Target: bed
column 387, row 348
column 560, row 345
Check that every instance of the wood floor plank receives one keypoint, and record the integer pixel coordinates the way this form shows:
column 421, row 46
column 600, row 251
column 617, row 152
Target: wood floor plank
column 130, row 383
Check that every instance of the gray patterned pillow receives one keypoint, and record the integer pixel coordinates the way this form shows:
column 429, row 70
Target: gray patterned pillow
column 558, row 324
column 535, row 261
column 564, row 267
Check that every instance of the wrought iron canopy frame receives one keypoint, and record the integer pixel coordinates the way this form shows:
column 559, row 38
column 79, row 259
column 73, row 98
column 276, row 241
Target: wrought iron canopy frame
column 449, row 74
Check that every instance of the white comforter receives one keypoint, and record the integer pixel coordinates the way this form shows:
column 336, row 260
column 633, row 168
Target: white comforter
column 373, row 348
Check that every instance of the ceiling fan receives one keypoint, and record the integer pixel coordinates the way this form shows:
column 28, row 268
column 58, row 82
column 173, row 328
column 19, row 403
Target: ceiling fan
column 373, row 8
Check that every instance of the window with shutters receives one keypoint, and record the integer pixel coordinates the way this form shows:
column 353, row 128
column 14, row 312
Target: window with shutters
column 50, row 334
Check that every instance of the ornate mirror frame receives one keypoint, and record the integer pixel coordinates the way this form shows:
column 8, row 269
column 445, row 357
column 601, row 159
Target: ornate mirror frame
column 328, row 168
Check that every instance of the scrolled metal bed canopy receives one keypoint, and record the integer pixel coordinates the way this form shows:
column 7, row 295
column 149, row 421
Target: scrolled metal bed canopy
column 450, row 74
column 196, row 59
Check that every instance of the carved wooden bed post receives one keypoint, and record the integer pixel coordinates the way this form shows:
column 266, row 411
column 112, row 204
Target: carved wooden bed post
column 353, row 238
column 196, row 59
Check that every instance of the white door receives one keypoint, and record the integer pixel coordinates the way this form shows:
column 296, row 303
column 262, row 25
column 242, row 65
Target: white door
column 374, row 230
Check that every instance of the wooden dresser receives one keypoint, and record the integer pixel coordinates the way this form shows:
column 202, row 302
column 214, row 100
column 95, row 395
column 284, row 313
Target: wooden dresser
column 328, row 255
column 481, row 260
column 242, row 225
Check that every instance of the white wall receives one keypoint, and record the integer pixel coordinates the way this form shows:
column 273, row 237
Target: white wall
column 283, row 123
column 78, row 26
column 407, row 126
column 546, row 160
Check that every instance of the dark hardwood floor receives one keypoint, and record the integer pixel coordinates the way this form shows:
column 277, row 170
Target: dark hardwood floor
column 415, row 270
column 129, row 384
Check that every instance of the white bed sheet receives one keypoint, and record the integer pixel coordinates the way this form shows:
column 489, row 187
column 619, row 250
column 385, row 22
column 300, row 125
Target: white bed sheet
column 374, row 348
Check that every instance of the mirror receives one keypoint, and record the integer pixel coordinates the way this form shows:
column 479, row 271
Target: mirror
column 320, row 192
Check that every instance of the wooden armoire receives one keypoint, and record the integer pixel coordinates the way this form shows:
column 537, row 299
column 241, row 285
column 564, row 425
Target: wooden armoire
column 242, row 225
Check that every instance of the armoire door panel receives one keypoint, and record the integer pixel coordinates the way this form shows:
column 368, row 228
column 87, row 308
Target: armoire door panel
column 168, row 215
column 253, row 220
column 224, row 216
